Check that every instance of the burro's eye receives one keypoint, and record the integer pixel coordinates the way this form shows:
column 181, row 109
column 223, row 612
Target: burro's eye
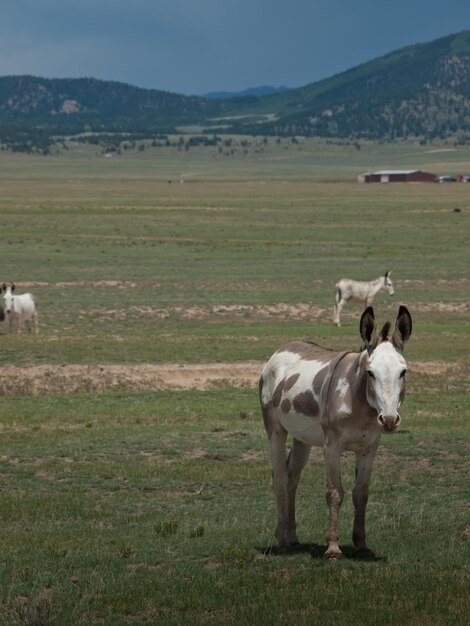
column 371, row 374
column 402, row 374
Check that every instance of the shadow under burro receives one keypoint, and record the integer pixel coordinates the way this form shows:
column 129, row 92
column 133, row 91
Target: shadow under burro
column 317, row 551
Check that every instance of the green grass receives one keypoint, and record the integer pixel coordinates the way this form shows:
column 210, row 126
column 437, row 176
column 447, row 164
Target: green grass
column 157, row 508
column 102, row 496
column 244, row 230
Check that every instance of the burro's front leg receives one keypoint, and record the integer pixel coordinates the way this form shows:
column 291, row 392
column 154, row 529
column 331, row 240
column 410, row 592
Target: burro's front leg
column 360, row 495
column 334, row 494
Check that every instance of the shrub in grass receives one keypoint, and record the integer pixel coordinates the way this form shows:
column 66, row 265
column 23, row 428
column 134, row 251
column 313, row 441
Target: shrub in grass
column 126, row 551
column 197, row 531
column 166, row 527
column 237, row 556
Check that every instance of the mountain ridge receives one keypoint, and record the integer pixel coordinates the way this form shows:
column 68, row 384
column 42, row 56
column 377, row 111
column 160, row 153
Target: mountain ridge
column 419, row 91
column 262, row 90
column 379, row 99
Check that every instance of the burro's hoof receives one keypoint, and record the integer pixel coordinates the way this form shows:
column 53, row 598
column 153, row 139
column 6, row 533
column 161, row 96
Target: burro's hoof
column 333, row 553
column 285, row 547
column 364, row 553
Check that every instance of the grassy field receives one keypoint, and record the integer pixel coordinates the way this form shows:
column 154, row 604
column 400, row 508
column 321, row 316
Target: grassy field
column 156, row 507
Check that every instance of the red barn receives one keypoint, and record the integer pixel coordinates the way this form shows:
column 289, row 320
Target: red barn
column 397, row 176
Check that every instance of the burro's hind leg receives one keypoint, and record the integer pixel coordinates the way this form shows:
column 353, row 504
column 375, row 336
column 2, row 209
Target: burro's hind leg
column 296, row 461
column 286, row 476
column 277, row 450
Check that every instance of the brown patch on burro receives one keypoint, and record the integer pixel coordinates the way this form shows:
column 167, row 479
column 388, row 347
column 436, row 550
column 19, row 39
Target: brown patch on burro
column 319, row 380
column 307, row 350
column 305, row 403
column 290, row 382
column 286, row 405
column 277, row 395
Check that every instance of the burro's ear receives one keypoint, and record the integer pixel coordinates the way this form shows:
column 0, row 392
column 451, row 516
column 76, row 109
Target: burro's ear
column 4, row 287
column 13, row 286
column 403, row 328
column 368, row 328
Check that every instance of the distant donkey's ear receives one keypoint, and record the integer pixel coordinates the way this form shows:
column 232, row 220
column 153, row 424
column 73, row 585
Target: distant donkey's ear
column 13, row 286
column 403, row 328
column 368, row 328
column 4, row 287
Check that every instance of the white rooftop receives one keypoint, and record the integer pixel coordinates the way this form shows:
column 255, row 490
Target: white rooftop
column 388, row 172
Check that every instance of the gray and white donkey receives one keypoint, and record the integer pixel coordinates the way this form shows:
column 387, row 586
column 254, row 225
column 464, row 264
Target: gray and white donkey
column 339, row 401
column 19, row 308
column 359, row 291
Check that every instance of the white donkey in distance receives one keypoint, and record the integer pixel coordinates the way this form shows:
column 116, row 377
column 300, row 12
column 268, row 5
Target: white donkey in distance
column 21, row 308
column 359, row 291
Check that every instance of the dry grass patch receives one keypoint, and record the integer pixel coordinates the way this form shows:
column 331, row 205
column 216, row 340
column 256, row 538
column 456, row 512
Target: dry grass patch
column 42, row 380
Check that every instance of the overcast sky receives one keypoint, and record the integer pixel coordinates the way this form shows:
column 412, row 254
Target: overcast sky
column 196, row 46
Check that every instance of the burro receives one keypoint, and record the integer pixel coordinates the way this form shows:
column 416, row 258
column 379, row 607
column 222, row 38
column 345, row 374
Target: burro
column 339, row 401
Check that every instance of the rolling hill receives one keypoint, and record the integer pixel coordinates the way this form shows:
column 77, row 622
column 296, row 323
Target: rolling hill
column 420, row 91
column 106, row 104
column 35, row 111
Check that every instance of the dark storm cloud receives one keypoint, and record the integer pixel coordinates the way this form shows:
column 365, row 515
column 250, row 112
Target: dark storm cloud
column 193, row 47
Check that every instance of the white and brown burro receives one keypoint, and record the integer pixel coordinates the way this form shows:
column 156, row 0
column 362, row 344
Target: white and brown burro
column 339, row 401
column 359, row 291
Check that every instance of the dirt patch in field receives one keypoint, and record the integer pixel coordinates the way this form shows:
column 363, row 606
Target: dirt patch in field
column 460, row 308
column 43, row 380
column 116, row 284
column 441, row 282
column 201, row 312
column 266, row 311
column 433, row 368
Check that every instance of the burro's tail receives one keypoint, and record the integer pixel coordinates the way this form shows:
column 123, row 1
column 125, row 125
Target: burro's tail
column 339, row 294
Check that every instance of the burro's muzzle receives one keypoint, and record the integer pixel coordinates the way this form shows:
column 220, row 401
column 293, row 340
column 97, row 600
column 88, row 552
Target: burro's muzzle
column 389, row 423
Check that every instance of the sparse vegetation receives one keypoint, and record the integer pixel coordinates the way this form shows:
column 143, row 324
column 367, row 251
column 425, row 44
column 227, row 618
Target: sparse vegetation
column 166, row 527
column 237, row 556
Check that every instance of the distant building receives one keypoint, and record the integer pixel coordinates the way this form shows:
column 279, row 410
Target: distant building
column 397, row 176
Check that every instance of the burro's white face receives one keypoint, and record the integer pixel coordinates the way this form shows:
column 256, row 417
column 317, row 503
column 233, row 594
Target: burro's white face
column 8, row 298
column 389, row 286
column 386, row 369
